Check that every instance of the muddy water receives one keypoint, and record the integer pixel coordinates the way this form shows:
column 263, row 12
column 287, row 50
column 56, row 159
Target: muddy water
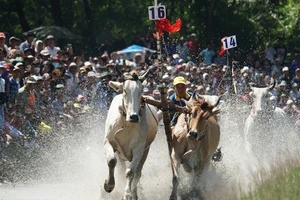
column 82, row 170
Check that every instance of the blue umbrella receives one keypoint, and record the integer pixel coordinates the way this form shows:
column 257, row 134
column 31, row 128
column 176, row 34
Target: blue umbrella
column 135, row 48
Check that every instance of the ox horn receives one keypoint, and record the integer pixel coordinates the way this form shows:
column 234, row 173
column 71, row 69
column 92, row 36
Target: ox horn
column 195, row 96
column 199, row 96
column 217, row 103
column 271, row 87
column 143, row 76
column 188, row 104
column 119, row 72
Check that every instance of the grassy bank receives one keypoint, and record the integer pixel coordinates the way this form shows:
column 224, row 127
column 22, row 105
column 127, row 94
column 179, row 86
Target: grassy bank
column 282, row 182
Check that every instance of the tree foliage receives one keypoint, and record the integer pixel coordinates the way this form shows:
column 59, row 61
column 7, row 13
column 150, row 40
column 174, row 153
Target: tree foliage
column 254, row 22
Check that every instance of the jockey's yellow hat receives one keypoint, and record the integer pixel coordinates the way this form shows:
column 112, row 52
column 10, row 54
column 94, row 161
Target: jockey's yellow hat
column 178, row 80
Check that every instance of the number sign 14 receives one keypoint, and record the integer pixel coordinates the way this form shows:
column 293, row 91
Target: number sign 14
column 157, row 12
column 229, row 42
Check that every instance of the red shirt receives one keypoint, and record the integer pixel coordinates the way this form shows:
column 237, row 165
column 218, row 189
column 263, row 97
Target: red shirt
column 194, row 48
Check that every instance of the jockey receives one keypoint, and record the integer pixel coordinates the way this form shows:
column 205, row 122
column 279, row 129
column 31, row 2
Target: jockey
column 180, row 93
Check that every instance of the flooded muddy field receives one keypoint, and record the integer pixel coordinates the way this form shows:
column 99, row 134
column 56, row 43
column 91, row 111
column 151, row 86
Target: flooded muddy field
column 77, row 169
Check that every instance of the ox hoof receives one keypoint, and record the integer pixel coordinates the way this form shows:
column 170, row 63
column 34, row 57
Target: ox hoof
column 173, row 198
column 109, row 187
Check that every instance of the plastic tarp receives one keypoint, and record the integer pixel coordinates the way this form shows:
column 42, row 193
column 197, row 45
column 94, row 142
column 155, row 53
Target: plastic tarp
column 135, row 49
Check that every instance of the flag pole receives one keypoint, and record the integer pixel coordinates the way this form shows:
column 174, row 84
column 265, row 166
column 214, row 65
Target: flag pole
column 158, row 44
column 232, row 72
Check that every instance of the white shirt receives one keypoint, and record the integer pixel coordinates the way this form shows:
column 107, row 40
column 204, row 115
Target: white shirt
column 2, row 85
column 52, row 51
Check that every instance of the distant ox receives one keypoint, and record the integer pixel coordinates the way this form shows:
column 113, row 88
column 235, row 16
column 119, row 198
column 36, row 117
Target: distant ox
column 195, row 139
column 129, row 130
column 265, row 123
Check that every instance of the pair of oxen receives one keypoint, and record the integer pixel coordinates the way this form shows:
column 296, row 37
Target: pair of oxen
column 131, row 127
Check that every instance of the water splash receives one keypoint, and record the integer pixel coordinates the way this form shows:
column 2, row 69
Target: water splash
column 77, row 169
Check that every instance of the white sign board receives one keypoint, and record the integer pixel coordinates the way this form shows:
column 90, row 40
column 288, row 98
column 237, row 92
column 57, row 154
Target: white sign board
column 157, row 12
column 229, row 42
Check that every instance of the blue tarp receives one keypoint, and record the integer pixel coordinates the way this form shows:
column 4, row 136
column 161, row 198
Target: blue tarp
column 135, row 48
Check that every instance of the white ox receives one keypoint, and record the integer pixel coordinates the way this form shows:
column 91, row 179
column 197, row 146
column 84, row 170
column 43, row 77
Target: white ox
column 265, row 125
column 195, row 140
column 129, row 130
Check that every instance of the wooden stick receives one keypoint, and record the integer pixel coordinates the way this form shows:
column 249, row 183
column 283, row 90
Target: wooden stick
column 170, row 105
column 166, row 119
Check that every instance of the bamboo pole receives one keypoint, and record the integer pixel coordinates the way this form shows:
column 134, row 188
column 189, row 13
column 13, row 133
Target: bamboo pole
column 158, row 104
column 166, row 117
column 232, row 73
column 158, row 45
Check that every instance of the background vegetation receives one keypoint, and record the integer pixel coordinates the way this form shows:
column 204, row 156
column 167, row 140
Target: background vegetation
column 255, row 22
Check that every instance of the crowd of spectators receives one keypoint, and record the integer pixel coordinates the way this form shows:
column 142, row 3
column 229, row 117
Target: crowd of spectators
column 42, row 84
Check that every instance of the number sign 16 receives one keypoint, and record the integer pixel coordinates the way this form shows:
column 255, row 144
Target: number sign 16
column 156, row 12
column 229, row 42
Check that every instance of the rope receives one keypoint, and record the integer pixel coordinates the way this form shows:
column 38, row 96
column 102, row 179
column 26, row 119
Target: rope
column 152, row 113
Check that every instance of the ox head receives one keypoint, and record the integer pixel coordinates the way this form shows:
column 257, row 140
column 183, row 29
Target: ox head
column 132, row 88
column 261, row 100
column 201, row 111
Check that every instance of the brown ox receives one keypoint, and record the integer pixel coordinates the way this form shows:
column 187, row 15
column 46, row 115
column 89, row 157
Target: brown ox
column 195, row 139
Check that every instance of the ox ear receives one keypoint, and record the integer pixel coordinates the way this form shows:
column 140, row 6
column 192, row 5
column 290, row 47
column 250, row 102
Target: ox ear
column 188, row 104
column 117, row 86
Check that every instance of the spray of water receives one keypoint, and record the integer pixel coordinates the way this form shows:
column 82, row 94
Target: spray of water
column 77, row 168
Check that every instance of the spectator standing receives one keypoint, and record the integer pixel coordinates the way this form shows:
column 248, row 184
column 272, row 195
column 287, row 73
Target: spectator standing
column 72, row 82
column 281, row 50
column 39, row 46
column 50, row 46
column 14, row 83
column 296, row 78
column 2, row 100
column 14, row 43
column 270, row 52
column 29, row 41
column 106, row 47
column 194, row 47
column 294, row 93
column 23, row 95
column 119, row 43
column 56, row 79
column 286, row 77
column 3, row 45
column 182, row 50
column 208, row 54
column 276, row 66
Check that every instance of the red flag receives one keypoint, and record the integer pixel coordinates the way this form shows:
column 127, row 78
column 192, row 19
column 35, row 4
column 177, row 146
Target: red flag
column 221, row 53
column 164, row 24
